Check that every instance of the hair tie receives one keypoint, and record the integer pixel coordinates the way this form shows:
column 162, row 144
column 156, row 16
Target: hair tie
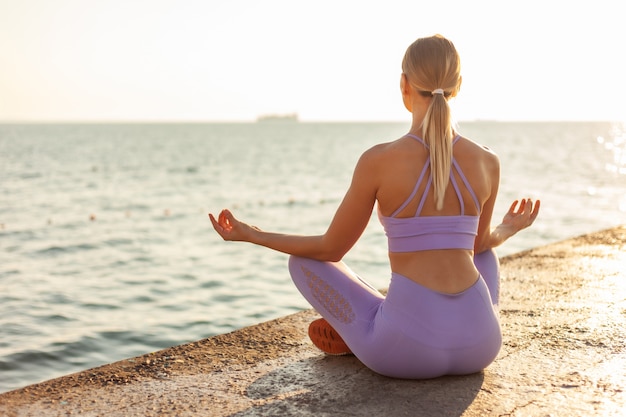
column 437, row 91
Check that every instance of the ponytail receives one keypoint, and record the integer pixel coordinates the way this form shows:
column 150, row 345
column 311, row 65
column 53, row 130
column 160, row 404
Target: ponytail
column 437, row 132
column 433, row 68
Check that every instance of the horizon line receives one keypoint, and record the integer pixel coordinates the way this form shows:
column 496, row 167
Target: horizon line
column 299, row 121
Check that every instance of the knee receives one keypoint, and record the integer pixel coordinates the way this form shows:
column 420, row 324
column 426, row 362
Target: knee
column 297, row 266
column 294, row 263
column 301, row 267
column 487, row 263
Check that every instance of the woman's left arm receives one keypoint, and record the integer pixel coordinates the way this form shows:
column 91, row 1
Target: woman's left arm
column 516, row 219
column 348, row 224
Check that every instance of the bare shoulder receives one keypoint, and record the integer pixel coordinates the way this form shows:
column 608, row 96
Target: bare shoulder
column 385, row 148
column 381, row 152
column 382, row 160
column 481, row 152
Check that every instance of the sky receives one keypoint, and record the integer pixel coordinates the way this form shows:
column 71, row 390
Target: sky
column 327, row 60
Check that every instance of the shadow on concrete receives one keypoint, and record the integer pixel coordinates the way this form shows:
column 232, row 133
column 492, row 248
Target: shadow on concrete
column 341, row 385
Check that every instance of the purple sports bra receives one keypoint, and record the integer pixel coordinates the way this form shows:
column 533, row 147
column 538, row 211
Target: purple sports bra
column 420, row 233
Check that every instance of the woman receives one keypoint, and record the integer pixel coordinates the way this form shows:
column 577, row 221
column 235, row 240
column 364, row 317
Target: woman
column 435, row 192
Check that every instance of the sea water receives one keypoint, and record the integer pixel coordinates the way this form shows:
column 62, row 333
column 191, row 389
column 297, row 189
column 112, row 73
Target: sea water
column 106, row 251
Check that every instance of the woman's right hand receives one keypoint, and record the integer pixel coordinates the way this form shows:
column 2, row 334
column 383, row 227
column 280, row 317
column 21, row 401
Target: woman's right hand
column 229, row 228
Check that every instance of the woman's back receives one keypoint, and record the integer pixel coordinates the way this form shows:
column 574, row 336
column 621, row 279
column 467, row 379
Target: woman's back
column 429, row 246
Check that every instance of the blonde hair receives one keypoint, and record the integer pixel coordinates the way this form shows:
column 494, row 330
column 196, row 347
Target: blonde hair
column 429, row 64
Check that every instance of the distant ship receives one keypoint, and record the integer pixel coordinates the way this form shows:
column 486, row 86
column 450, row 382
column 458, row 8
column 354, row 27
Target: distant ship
column 291, row 117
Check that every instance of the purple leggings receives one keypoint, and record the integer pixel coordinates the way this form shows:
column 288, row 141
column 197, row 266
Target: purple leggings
column 413, row 332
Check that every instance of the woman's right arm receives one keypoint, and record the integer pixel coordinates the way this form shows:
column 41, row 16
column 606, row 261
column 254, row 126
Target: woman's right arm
column 349, row 222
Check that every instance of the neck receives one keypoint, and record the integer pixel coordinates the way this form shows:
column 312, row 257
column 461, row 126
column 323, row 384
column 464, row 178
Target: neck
column 417, row 120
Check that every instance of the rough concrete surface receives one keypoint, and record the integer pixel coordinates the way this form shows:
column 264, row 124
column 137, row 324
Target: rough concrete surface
column 563, row 312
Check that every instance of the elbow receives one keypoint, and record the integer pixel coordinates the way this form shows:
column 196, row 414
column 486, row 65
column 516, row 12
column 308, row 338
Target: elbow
column 331, row 251
column 331, row 256
column 323, row 255
column 335, row 258
column 481, row 246
column 479, row 250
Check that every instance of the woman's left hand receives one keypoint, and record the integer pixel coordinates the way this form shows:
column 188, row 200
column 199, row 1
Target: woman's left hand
column 518, row 218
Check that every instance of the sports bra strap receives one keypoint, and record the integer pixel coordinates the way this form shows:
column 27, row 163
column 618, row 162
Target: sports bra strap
column 466, row 183
column 417, row 185
column 458, row 194
column 423, row 199
column 430, row 180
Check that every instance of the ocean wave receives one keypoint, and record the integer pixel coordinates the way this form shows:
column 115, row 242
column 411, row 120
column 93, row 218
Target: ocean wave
column 55, row 250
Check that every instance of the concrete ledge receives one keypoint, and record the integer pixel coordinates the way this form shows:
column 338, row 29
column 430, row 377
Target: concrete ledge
column 563, row 311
